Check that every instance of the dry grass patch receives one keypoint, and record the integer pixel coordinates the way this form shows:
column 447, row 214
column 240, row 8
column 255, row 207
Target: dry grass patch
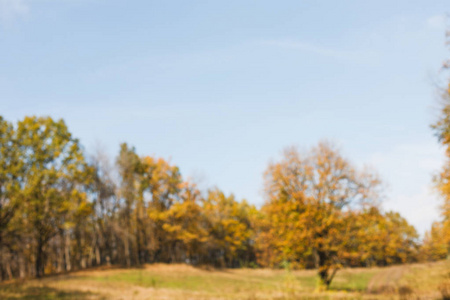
column 160, row 281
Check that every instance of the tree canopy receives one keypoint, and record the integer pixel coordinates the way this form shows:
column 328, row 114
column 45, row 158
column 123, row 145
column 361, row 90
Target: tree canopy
column 62, row 210
column 322, row 212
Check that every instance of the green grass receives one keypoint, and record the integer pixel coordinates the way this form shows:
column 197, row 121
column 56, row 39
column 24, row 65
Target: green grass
column 14, row 292
column 224, row 281
column 349, row 280
column 210, row 282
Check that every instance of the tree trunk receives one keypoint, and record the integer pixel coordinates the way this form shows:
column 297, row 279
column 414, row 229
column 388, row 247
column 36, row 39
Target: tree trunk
column 8, row 270
column 98, row 259
column 40, row 258
column 22, row 266
column 67, row 253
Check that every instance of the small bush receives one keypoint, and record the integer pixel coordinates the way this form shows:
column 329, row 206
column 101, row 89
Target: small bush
column 445, row 290
column 383, row 289
column 405, row 292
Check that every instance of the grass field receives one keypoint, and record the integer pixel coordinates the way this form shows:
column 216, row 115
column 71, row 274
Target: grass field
column 418, row 281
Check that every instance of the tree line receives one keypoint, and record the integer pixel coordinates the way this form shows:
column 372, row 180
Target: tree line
column 62, row 210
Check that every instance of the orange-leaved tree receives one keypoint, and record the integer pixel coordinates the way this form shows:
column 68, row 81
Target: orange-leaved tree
column 311, row 197
column 442, row 131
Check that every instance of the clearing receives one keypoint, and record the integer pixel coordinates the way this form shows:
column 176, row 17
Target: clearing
column 160, row 281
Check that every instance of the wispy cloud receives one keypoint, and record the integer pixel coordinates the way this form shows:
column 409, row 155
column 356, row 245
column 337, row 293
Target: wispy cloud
column 436, row 22
column 10, row 10
column 356, row 56
column 408, row 169
column 308, row 47
column 420, row 209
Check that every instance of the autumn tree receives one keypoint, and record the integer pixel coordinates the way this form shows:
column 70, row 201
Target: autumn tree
column 434, row 248
column 309, row 198
column 9, row 173
column 161, row 187
column 381, row 239
column 128, row 164
column 60, row 212
column 442, row 131
column 10, row 179
column 185, row 226
column 54, row 178
column 229, row 229
column 105, row 223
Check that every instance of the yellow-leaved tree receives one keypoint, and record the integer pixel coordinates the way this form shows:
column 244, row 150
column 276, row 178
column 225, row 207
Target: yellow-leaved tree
column 308, row 214
column 55, row 182
column 229, row 228
column 434, row 247
column 184, row 226
column 442, row 130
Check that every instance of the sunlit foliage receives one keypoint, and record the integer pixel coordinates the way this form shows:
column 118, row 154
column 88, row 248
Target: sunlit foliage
column 321, row 212
column 61, row 210
column 442, row 131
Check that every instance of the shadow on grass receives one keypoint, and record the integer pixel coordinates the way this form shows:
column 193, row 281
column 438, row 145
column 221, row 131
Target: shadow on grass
column 14, row 292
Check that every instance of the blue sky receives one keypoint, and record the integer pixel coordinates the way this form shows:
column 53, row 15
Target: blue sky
column 221, row 87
